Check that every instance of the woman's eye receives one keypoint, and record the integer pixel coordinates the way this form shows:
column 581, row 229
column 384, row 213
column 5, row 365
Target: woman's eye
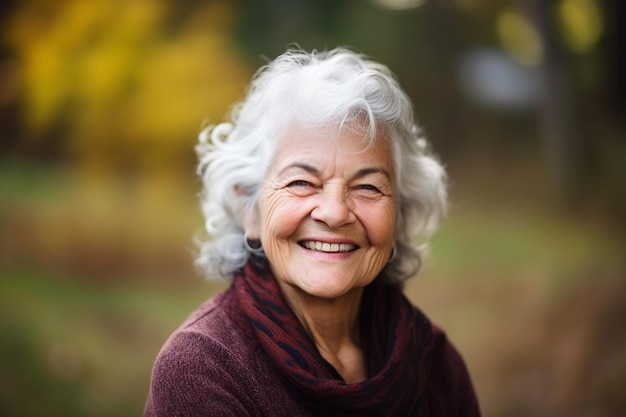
column 368, row 187
column 301, row 187
column 299, row 183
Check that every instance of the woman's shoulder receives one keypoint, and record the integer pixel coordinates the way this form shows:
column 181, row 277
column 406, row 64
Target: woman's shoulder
column 205, row 365
column 450, row 386
column 216, row 325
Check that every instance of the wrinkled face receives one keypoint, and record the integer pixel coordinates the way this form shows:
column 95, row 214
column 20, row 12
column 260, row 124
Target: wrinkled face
column 326, row 211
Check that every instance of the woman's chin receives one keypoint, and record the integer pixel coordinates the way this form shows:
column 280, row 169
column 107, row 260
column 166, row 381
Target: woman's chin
column 326, row 289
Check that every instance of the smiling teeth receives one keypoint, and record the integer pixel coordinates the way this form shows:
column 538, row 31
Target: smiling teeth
column 329, row 247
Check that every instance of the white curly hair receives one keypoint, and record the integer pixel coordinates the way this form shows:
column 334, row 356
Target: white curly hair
column 315, row 89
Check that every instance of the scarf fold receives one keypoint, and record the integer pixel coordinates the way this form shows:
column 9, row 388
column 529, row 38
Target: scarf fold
column 396, row 338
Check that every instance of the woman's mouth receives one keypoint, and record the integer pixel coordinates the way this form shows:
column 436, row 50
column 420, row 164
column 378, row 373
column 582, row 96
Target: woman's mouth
column 327, row 247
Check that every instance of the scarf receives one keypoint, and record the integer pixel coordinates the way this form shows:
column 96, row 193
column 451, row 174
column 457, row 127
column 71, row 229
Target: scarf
column 396, row 338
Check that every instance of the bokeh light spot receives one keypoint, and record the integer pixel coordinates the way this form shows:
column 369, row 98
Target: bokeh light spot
column 399, row 4
column 581, row 24
column 519, row 38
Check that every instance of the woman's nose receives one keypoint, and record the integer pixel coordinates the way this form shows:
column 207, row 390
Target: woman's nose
column 333, row 207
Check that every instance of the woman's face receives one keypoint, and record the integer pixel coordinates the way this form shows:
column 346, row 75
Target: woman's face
column 327, row 210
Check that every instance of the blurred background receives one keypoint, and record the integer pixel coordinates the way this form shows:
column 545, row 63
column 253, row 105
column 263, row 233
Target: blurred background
column 100, row 105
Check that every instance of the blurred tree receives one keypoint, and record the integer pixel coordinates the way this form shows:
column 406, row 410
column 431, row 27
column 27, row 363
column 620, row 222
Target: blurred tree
column 561, row 135
column 117, row 83
column 616, row 52
column 268, row 27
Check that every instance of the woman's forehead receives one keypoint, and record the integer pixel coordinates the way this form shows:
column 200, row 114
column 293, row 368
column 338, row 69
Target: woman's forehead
column 321, row 147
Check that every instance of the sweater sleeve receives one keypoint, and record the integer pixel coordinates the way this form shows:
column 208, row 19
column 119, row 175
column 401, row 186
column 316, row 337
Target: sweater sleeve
column 451, row 390
column 197, row 376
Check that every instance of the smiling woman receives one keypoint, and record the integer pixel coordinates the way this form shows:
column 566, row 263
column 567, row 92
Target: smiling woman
column 323, row 192
column 317, row 197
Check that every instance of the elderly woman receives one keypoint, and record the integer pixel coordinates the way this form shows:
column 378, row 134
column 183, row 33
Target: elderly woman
column 319, row 196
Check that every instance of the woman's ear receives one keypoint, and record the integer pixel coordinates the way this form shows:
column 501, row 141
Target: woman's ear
column 248, row 215
column 249, row 221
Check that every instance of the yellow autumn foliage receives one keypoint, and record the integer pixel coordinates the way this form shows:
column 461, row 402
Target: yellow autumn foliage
column 124, row 80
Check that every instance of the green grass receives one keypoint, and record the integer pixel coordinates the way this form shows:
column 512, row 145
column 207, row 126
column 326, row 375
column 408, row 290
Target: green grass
column 70, row 348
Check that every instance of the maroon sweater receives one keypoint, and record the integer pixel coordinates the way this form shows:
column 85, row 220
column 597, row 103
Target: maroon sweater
column 216, row 364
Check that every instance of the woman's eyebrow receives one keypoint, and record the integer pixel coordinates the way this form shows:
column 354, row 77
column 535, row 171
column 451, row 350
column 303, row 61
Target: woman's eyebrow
column 358, row 174
column 373, row 170
column 301, row 165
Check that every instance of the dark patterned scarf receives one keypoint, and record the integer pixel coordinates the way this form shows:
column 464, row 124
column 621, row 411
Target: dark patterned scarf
column 396, row 337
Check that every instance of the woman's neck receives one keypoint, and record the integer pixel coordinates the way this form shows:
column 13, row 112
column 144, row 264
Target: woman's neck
column 334, row 327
